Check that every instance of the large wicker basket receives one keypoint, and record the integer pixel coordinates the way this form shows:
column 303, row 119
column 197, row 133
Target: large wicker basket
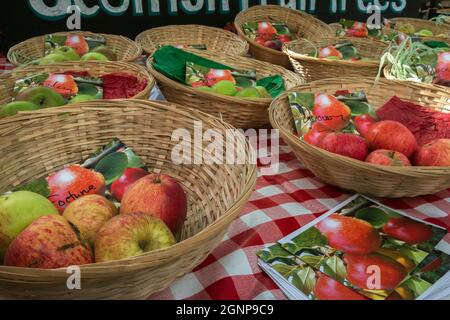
column 303, row 24
column 312, row 68
column 96, row 69
column 33, row 48
column 215, row 39
column 240, row 112
column 358, row 176
column 419, row 24
column 38, row 143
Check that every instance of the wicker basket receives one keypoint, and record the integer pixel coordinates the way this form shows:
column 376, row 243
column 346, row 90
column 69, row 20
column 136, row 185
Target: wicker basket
column 215, row 39
column 240, row 112
column 358, row 176
column 33, row 48
column 96, row 69
column 303, row 24
column 312, row 68
column 38, row 143
column 420, row 24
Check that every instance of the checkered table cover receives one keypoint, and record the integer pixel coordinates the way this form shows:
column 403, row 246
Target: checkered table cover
column 282, row 202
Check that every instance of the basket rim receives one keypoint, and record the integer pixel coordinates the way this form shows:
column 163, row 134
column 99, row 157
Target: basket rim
column 427, row 23
column 358, row 64
column 190, row 25
column 10, row 54
column 89, row 65
column 281, row 9
column 157, row 256
column 293, row 139
column 257, row 101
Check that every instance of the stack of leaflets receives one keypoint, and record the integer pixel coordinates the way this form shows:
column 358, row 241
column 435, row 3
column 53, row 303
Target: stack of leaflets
column 361, row 250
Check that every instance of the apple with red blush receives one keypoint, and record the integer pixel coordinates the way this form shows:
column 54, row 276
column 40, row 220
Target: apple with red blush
column 345, row 144
column 388, row 158
column 121, row 185
column 363, row 122
column 435, row 154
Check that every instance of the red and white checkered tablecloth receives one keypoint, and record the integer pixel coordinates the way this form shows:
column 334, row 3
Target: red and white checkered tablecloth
column 282, row 202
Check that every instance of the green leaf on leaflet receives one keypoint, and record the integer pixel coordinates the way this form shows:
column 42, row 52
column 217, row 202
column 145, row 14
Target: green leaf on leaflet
column 313, row 260
column 414, row 254
column 417, row 285
column 243, row 82
column 375, row 216
column 305, row 100
column 335, row 268
column 112, row 166
column 348, row 51
column 275, row 252
column 306, row 240
column 375, row 33
column 359, row 107
column 346, row 23
column 39, row 186
column 90, row 90
column 305, row 280
column 133, row 160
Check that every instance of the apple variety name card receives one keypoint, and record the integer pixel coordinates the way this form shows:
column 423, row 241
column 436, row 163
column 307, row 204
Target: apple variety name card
column 361, row 250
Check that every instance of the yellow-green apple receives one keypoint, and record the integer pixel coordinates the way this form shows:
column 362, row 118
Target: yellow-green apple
column 50, row 242
column 17, row 210
column 52, row 58
column 130, row 235
column 94, row 56
column 72, row 183
column 89, row 214
column 130, row 176
column 107, row 52
column 43, row 97
column 12, row 108
column 68, row 52
column 158, row 195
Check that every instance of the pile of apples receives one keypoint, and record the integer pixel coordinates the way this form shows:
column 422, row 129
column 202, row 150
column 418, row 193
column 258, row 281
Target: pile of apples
column 386, row 142
column 77, row 48
column 78, row 225
column 267, row 36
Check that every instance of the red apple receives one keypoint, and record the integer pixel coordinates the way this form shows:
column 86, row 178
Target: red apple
column 285, row 38
column 217, row 75
column 329, row 289
column 316, row 134
column 345, row 144
column 348, row 234
column 443, row 67
column 73, row 182
column 330, row 51
column 362, row 123
column 260, row 40
column 64, row 84
column 436, row 153
column 78, row 42
column 48, row 243
column 158, row 195
column 388, row 158
column 332, row 113
column 408, row 230
column 266, row 29
column 274, row 44
column 130, row 176
column 391, row 135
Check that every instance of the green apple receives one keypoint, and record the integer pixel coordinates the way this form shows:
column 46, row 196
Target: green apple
column 94, row 56
column 81, row 98
column 43, row 97
column 424, row 33
column 107, row 52
column 251, row 93
column 53, row 58
column 263, row 93
column 17, row 211
column 225, row 87
column 68, row 52
column 12, row 108
column 205, row 89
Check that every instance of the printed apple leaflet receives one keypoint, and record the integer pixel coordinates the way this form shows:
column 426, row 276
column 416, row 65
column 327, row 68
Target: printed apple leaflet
column 365, row 246
column 94, row 175
column 269, row 33
column 351, row 28
column 308, row 110
column 72, row 86
column 54, row 42
column 344, row 50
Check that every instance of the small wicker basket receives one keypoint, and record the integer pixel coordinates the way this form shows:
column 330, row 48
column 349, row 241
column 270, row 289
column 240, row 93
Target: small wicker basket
column 239, row 112
column 303, row 24
column 216, row 40
column 420, row 24
column 96, row 69
column 312, row 68
column 358, row 176
column 38, row 143
column 33, row 48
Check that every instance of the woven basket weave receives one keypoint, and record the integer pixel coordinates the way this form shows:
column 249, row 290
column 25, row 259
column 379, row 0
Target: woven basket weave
column 358, row 176
column 215, row 39
column 239, row 112
column 96, row 69
column 420, row 24
column 33, row 48
column 38, row 143
column 300, row 23
column 311, row 68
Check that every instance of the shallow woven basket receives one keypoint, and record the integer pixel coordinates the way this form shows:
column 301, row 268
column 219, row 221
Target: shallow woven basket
column 96, row 69
column 38, row 143
column 300, row 23
column 215, row 39
column 336, row 26
column 33, row 48
column 239, row 112
column 358, row 176
column 312, row 68
column 420, row 24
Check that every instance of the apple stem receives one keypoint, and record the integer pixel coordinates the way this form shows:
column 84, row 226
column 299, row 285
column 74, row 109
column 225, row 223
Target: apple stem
column 158, row 178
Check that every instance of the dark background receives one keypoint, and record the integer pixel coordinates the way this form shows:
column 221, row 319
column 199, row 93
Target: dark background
column 18, row 22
